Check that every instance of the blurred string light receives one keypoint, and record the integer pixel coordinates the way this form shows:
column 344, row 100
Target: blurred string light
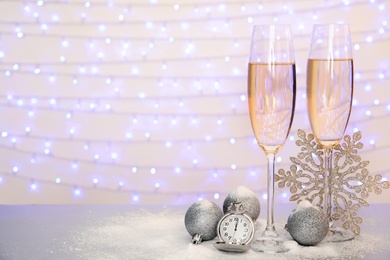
column 243, row 7
column 138, row 54
column 148, row 24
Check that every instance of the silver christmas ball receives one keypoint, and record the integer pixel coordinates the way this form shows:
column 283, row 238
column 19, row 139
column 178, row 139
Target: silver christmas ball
column 248, row 200
column 307, row 224
column 201, row 220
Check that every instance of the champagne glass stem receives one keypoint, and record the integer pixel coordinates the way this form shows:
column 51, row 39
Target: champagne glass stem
column 270, row 230
column 328, row 184
column 335, row 233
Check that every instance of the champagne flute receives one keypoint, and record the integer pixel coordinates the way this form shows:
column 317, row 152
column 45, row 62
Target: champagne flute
column 271, row 100
column 329, row 100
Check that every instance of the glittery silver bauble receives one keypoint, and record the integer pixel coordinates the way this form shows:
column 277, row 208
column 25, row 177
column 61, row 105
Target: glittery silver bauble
column 201, row 220
column 307, row 224
column 248, row 200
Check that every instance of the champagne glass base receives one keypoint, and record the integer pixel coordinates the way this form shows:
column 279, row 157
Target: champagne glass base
column 269, row 245
column 336, row 234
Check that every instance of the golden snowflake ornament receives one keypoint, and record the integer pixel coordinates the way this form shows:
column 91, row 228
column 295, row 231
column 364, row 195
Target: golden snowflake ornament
column 351, row 182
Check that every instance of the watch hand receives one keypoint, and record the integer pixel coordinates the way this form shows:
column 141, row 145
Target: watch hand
column 235, row 229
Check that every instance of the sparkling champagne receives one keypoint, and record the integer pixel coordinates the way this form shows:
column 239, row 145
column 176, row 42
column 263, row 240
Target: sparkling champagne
column 271, row 98
column 329, row 98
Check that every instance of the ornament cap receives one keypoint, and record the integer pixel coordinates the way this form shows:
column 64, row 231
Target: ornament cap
column 196, row 239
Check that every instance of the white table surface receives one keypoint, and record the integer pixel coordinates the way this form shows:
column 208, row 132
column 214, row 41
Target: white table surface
column 155, row 232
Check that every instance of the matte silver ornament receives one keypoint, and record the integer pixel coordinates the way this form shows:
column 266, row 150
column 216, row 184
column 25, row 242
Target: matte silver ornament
column 201, row 220
column 248, row 200
column 308, row 225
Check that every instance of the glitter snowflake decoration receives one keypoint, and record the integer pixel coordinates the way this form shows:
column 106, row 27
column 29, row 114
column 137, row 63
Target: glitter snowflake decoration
column 351, row 182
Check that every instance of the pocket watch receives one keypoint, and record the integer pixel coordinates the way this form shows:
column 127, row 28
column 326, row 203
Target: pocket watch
column 235, row 229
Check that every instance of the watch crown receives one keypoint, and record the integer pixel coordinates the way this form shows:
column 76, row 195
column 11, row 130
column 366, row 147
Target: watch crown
column 236, row 206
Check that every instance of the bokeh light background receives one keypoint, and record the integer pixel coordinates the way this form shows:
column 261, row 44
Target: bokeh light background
column 144, row 102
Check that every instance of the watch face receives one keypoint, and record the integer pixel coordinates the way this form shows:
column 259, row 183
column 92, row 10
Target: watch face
column 236, row 229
